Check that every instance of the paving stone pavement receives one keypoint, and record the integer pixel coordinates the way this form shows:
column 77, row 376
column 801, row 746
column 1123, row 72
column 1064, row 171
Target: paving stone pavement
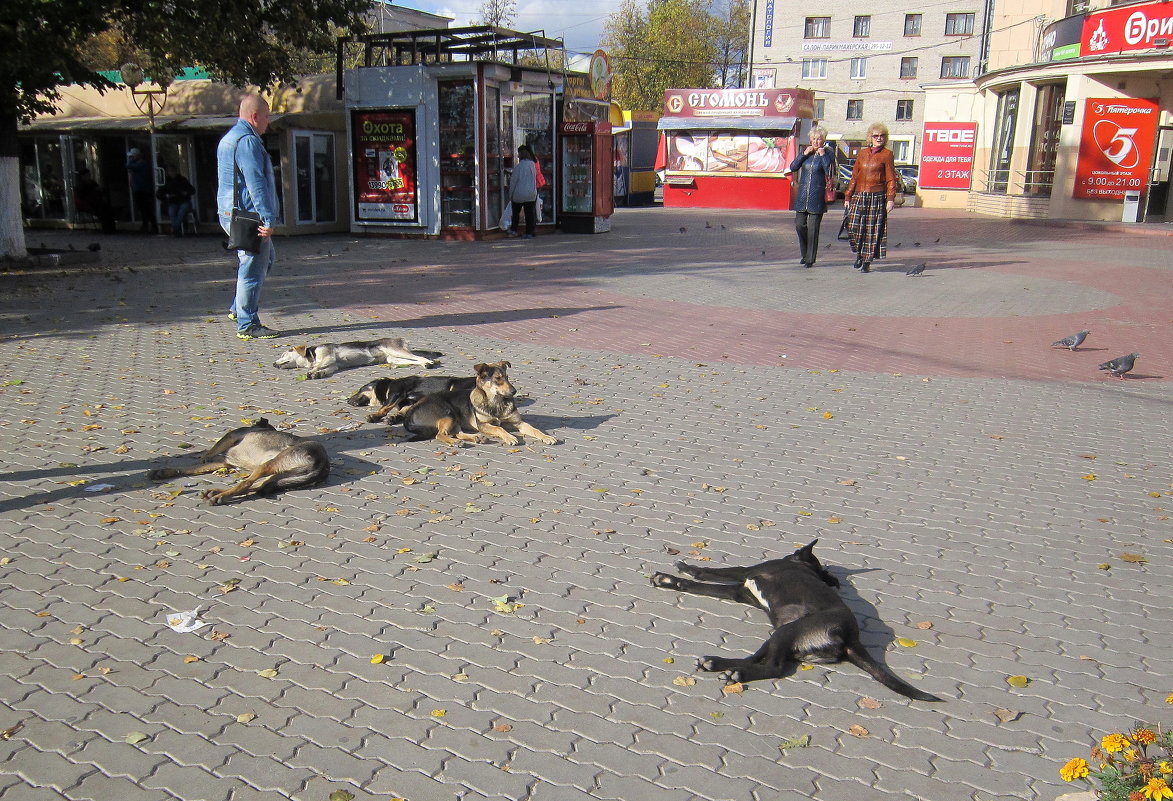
column 714, row 401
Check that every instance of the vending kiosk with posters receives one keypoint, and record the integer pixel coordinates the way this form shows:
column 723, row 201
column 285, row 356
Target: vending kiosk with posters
column 731, row 148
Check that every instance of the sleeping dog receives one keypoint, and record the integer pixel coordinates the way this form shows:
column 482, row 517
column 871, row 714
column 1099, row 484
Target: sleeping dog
column 811, row 622
column 394, row 395
column 276, row 460
column 462, row 416
column 323, row 361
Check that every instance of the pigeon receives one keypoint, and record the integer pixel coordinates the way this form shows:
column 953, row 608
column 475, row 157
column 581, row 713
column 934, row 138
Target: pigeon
column 917, row 270
column 94, row 247
column 683, row 229
column 935, row 241
column 916, row 244
column 707, row 225
column 1072, row 342
column 1120, row 365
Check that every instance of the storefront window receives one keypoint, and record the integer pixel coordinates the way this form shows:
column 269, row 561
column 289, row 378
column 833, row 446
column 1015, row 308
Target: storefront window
column 1045, row 140
column 42, row 186
column 457, row 154
column 533, row 118
column 495, row 156
column 999, row 178
column 313, row 166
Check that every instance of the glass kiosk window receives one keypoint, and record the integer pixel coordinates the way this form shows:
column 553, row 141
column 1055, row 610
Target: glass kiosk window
column 457, row 154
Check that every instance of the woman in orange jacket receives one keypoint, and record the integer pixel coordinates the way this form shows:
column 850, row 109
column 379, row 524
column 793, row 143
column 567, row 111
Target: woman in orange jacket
column 870, row 198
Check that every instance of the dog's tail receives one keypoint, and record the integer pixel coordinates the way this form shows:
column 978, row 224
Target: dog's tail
column 857, row 655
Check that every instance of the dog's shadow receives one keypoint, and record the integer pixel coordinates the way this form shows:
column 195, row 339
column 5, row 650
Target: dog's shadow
column 874, row 633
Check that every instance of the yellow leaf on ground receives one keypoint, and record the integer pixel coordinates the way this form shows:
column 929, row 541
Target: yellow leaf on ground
column 684, row 681
column 439, row 713
column 924, row 624
column 1090, row 477
column 858, row 730
column 1017, row 681
column 737, row 688
column 904, row 642
column 187, row 660
column 867, row 702
column 378, row 659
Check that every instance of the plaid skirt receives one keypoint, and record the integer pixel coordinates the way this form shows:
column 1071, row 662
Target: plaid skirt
column 867, row 225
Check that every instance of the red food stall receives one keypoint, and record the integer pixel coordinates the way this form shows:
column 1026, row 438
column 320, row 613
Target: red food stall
column 731, row 148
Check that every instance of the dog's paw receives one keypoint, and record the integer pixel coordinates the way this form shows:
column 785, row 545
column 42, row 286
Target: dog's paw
column 162, row 474
column 664, row 580
column 708, row 664
column 509, row 439
column 686, row 569
column 547, row 439
column 213, row 497
column 374, row 418
column 731, row 676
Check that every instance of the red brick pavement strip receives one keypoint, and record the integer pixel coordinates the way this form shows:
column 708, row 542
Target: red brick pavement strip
column 989, row 347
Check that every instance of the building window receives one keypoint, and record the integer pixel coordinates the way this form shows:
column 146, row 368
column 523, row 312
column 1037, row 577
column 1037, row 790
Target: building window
column 904, row 109
column 958, row 24
column 955, row 67
column 1002, row 152
column 1078, row 7
column 314, row 167
column 901, row 150
column 912, row 24
column 1044, row 141
column 817, row 28
column 820, row 109
column 855, row 109
column 859, row 68
column 814, row 68
column 863, row 26
column 908, row 67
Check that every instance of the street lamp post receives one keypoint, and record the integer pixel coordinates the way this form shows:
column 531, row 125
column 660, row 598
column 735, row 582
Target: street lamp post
column 149, row 101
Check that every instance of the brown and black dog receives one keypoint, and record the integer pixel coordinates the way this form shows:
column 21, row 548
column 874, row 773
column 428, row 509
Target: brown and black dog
column 462, row 416
column 811, row 622
column 394, row 395
column 276, row 460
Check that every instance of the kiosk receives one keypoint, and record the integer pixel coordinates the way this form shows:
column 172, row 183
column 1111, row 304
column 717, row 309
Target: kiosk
column 731, row 148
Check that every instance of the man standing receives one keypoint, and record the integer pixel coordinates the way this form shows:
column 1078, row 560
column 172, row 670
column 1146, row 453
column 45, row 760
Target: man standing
column 246, row 182
column 142, row 189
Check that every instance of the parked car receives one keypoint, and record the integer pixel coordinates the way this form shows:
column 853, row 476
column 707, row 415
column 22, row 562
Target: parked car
column 910, row 173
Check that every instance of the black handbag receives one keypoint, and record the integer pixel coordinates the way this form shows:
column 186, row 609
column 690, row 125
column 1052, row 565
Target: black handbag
column 843, row 234
column 243, row 226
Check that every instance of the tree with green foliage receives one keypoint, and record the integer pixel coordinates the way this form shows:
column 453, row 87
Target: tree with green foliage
column 732, row 44
column 48, row 44
column 664, row 45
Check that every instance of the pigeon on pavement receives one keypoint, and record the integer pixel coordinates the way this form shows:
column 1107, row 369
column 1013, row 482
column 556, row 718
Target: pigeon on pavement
column 917, row 270
column 1072, row 342
column 1120, row 365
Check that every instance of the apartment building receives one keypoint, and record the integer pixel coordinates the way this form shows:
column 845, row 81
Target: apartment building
column 870, row 64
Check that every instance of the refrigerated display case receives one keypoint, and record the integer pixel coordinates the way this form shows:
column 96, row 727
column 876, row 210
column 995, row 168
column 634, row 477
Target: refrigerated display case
column 586, row 201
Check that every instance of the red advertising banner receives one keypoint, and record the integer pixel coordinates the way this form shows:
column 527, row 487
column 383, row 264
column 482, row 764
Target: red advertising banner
column 385, row 186
column 1133, row 27
column 1115, row 147
column 946, row 155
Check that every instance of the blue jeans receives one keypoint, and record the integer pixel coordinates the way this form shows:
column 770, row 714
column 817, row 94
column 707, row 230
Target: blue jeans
column 250, row 277
column 178, row 213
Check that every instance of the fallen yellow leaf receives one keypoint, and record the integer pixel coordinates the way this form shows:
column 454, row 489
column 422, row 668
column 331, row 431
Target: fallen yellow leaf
column 1017, row 681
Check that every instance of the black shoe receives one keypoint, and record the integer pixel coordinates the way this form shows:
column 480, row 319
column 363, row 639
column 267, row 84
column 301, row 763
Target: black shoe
column 808, row 264
column 866, row 268
column 858, row 264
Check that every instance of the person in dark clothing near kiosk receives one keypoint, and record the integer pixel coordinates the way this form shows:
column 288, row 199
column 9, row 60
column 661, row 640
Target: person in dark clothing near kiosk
column 177, row 193
column 89, row 198
column 813, row 167
column 142, row 189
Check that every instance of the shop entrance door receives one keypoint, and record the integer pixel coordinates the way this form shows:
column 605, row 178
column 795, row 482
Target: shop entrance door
column 1160, row 203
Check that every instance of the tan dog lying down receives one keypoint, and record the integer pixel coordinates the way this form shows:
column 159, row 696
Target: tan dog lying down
column 323, row 361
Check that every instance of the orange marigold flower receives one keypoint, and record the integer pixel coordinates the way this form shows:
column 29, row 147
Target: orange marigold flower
column 1075, row 769
column 1144, row 736
column 1112, row 743
column 1166, row 767
column 1130, row 755
column 1136, row 795
column 1157, row 790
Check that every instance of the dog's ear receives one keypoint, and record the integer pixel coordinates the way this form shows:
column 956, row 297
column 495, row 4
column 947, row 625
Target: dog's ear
column 261, row 422
column 480, row 368
column 307, row 351
column 807, row 551
column 505, row 364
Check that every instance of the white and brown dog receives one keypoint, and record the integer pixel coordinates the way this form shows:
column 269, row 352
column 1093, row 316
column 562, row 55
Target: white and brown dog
column 323, row 361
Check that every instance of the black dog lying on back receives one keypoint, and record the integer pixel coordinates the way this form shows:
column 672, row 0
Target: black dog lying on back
column 811, row 622
column 394, row 395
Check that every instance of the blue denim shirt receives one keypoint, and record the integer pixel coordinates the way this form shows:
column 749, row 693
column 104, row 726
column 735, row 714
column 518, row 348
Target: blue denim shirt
column 254, row 175
column 812, row 173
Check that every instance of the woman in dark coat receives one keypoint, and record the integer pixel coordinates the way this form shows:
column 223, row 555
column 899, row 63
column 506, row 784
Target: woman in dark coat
column 870, row 198
column 812, row 167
